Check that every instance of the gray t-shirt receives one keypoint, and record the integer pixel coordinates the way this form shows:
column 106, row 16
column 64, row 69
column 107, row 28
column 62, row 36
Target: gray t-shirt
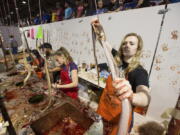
column 13, row 43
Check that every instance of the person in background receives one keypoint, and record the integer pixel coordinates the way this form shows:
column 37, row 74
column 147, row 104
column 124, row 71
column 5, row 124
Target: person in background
column 100, row 6
column 174, row 1
column 37, row 20
column 53, row 16
column 46, row 17
column 79, row 9
column 89, row 7
column 114, row 5
column 68, row 82
column 143, row 3
column 131, row 4
column 135, row 85
column 68, row 14
column 52, row 66
column 60, row 13
column 47, row 49
column 151, row 128
column 13, row 45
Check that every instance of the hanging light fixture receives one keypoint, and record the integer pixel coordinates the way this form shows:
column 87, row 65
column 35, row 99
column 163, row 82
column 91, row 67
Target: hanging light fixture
column 24, row 2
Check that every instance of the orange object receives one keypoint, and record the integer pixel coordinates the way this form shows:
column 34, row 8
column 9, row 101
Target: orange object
column 39, row 74
column 110, row 107
column 140, row 110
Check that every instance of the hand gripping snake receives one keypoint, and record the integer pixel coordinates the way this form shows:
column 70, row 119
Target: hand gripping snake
column 126, row 106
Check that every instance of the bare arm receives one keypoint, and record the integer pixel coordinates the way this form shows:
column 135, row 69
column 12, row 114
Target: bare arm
column 123, row 90
column 54, row 69
column 141, row 97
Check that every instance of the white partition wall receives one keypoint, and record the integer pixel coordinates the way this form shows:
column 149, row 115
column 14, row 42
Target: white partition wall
column 165, row 77
column 6, row 31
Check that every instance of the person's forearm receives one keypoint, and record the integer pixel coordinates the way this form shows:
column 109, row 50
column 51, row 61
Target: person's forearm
column 140, row 99
column 54, row 69
column 70, row 85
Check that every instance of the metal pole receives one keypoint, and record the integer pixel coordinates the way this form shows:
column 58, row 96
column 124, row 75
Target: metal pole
column 2, row 17
column 17, row 13
column 40, row 13
column 163, row 11
column 30, row 16
column 5, row 12
column 9, row 14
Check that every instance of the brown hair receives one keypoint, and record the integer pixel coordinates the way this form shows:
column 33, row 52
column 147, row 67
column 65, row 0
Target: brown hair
column 151, row 128
column 135, row 62
column 62, row 51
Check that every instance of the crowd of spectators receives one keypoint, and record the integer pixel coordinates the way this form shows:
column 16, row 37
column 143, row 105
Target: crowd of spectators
column 80, row 8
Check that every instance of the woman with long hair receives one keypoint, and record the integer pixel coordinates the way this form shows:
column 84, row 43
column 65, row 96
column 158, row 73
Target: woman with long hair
column 134, row 85
column 68, row 82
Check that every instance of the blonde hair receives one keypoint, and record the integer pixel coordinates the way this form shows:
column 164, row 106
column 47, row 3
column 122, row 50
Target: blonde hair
column 135, row 62
column 63, row 52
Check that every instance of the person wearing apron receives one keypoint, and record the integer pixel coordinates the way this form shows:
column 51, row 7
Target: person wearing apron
column 68, row 82
column 134, row 85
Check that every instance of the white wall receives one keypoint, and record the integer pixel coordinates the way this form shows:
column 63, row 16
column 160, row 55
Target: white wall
column 165, row 78
column 6, row 31
column 75, row 35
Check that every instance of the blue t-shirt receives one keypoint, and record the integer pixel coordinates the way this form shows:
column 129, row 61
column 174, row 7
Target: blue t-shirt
column 68, row 13
column 70, row 67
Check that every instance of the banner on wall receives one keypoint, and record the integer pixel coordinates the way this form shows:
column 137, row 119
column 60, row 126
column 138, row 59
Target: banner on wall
column 32, row 33
column 39, row 33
